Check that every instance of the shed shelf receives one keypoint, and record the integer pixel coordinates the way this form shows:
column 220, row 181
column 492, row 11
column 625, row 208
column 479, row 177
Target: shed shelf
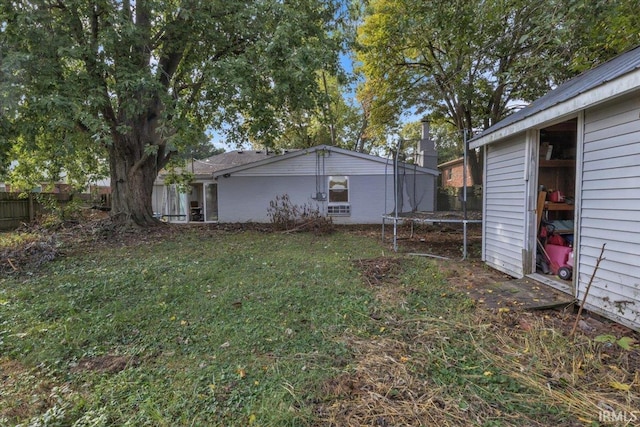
column 557, row 163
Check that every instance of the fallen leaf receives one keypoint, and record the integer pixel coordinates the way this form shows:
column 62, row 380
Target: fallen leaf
column 620, row 386
column 626, row 342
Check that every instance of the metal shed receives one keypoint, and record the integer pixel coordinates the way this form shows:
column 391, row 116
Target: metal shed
column 580, row 141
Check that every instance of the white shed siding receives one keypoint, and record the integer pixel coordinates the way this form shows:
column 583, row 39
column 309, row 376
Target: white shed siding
column 331, row 163
column 610, row 210
column 504, row 216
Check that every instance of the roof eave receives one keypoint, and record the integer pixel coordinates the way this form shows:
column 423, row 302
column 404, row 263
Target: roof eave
column 612, row 89
column 310, row 150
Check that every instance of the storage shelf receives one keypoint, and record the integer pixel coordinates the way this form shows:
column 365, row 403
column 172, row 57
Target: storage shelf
column 557, row 163
column 551, row 206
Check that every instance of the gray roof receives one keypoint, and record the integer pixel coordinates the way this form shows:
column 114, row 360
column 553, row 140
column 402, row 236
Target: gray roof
column 227, row 160
column 238, row 160
column 600, row 75
column 301, row 152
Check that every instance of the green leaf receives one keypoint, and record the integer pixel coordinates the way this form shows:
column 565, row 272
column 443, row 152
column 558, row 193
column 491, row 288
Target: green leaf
column 626, row 342
column 605, row 338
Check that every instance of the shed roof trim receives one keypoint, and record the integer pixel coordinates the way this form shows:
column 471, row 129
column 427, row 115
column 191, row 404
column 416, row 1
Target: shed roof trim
column 616, row 77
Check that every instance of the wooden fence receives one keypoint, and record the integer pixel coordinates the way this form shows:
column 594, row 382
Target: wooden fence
column 16, row 209
column 448, row 202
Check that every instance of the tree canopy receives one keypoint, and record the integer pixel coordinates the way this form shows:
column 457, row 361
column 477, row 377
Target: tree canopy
column 131, row 83
column 472, row 62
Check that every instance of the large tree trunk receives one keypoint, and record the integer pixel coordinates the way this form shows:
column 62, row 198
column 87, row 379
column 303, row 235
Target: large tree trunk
column 132, row 177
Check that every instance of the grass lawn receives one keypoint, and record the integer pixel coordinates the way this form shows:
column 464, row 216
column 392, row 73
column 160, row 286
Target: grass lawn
column 205, row 327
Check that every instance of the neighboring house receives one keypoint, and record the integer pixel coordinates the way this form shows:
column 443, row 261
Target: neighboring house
column 348, row 186
column 452, row 174
column 581, row 140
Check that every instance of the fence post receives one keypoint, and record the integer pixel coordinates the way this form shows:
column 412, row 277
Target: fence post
column 31, row 208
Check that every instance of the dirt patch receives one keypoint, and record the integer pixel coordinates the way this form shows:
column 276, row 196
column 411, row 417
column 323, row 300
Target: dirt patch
column 378, row 270
column 108, row 364
column 443, row 240
column 19, row 381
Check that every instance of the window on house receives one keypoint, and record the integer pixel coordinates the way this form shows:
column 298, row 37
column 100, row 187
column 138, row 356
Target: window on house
column 339, row 196
column 449, row 174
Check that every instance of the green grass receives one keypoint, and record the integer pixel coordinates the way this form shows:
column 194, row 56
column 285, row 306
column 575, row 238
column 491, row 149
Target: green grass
column 248, row 328
column 9, row 240
column 219, row 329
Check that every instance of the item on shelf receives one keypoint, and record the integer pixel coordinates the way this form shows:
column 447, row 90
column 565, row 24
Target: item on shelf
column 556, row 196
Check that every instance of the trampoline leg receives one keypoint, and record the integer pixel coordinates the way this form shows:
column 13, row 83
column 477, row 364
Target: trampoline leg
column 464, row 238
column 395, row 235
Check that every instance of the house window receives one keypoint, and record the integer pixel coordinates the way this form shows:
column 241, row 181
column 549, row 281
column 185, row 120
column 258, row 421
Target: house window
column 339, row 196
column 449, row 174
column 337, row 210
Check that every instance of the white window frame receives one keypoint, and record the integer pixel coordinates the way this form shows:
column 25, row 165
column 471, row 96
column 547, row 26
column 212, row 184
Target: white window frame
column 338, row 208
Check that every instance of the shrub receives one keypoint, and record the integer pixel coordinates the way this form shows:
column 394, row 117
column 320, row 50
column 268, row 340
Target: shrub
column 288, row 216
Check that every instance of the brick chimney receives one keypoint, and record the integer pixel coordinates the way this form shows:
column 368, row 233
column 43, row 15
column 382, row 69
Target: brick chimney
column 426, row 156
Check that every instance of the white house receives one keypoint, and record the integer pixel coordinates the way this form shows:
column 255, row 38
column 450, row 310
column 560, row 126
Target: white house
column 350, row 187
column 580, row 142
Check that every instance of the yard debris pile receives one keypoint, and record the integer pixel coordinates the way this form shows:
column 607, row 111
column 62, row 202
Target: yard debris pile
column 378, row 270
column 29, row 253
column 31, row 246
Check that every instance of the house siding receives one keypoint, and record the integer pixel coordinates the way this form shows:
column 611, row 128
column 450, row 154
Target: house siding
column 244, row 201
column 610, row 202
column 504, row 192
column 325, row 163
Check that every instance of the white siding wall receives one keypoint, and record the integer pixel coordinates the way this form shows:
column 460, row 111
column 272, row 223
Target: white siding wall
column 245, row 195
column 504, row 215
column 332, row 163
column 610, row 210
column 246, row 198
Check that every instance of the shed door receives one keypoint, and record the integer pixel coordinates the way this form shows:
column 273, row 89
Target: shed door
column 505, row 205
